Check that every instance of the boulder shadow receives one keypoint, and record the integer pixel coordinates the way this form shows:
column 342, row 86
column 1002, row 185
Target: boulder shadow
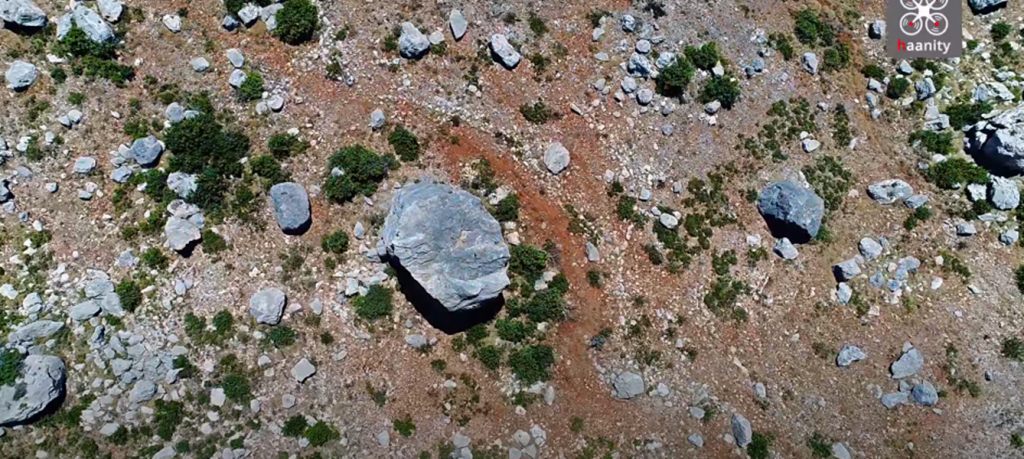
column 436, row 314
column 298, row 230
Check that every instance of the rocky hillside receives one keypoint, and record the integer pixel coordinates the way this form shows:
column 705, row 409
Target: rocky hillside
column 611, row 229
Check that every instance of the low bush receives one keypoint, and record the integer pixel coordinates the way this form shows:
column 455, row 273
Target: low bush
column 531, row 363
column 297, row 22
column 955, row 172
column 405, row 143
column 336, row 243
column 363, row 170
column 376, row 304
column 130, row 294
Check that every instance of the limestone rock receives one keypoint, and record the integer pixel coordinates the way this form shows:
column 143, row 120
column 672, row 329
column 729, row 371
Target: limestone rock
column 449, row 244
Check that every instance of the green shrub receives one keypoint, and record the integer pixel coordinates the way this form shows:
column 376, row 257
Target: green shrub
column 10, row 366
column 820, row 445
column 252, row 88
column 897, row 88
column 782, row 44
column 76, row 99
column 294, row 426
column 873, row 71
column 507, row 209
column 920, row 214
column 130, row 294
column 830, row 179
column 704, row 57
column 281, row 336
column 167, row 416
column 58, row 75
column 538, row 113
column 223, row 323
column 297, row 21
column 363, row 170
column 405, row 143
column 1018, row 276
column 725, row 90
column 527, row 261
column 537, row 25
column 810, row 29
column 759, row 446
column 376, row 304
column 1013, row 348
column 489, row 356
column 154, row 258
column 213, row 243
column 267, row 167
column 286, row 145
column 476, row 334
column 236, row 388
column 513, row 330
column 956, row 171
column 336, row 243
column 1001, row 30
column 544, row 306
column 201, row 143
column 673, row 80
column 836, row 58
column 531, row 363
column 594, row 278
column 320, row 433
column 962, row 114
column 935, row 142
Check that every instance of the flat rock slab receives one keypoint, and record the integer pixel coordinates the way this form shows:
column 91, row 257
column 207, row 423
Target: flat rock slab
column 291, row 207
column 41, row 383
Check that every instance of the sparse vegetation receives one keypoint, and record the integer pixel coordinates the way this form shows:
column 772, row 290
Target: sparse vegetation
column 362, row 170
column 956, row 171
column 405, row 143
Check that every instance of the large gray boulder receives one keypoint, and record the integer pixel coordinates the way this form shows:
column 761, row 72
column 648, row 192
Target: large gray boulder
column 23, row 13
column 40, row 383
column 34, row 330
column 504, row 52
column 21, row 75
column 92, row 24
column 449, row 244
column 909, row 364
column 986, row 6
column 791, row 211
column 412, row 44
column 291, row 207
column 146, row 151
column 998, row 144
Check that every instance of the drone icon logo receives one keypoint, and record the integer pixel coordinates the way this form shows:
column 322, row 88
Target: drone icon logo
column 924, row 15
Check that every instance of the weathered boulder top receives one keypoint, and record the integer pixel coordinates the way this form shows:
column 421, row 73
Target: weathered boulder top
column 998, row 143
column 448, row 242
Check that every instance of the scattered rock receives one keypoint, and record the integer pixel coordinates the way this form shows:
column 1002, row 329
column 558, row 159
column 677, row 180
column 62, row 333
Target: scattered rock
column 909, row 364
column 412, row 44
column 291, row 207
column 627, row 385
column 504, row 52
column 810, row 63
column 785, row 249
column 236, row 58
column 849, row 354
column 21, row 75
column 458, row 24
column 870, row 248
column 890, row 191
column 92, row 24
column 172, row 22
column 846, row 270
column 925, row 394
column 146, row 151
column 303, row 370
column 24, row 13
column 741, row 430
column 556, row 158
column 267, row 306
column 1003, row 193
